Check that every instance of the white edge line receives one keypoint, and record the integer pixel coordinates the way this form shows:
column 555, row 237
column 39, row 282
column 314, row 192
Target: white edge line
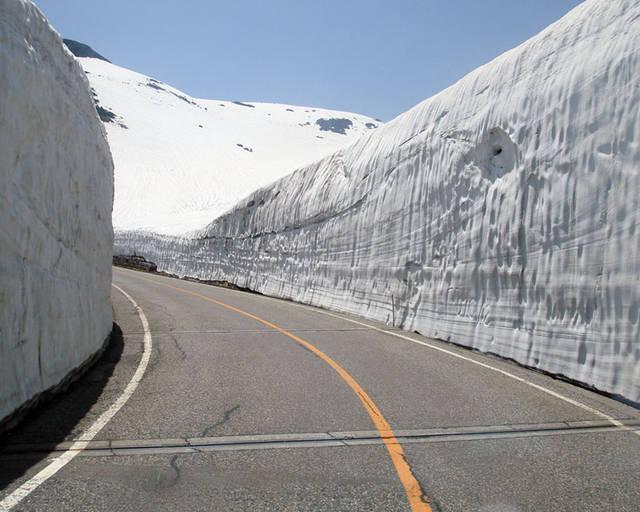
column 81, row 443
column 575, row 403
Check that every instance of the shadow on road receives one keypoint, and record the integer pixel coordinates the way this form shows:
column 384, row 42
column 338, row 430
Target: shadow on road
column 55, row 420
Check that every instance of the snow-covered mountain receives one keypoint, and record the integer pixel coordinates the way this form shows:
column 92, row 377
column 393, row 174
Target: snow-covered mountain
column 502, row 213
column 182, row 161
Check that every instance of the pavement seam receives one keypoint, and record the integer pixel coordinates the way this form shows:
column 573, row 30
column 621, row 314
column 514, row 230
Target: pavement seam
column 319, row 439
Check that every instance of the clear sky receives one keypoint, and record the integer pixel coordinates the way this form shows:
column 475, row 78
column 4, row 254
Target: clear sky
column 375, row 57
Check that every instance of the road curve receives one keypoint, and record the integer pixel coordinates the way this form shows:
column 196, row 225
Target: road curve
column 252, row 403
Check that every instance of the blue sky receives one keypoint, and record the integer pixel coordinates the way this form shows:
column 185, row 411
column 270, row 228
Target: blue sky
column 375, row 57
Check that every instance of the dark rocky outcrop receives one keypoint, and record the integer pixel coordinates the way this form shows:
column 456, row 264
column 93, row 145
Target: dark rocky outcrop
column 83, row 50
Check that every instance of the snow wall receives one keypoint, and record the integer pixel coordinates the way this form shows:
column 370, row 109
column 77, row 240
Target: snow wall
column 56, row 193
column 502, row 213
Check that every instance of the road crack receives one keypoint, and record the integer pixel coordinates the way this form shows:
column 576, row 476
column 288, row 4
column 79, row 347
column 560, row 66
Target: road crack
column 226, row 417
column 183, row 354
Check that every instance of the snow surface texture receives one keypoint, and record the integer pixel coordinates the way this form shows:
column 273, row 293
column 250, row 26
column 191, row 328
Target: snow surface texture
column 181, row 161
column 56, row 189
column 502, row 213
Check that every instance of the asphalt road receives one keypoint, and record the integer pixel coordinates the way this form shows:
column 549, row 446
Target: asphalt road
column 252, row 403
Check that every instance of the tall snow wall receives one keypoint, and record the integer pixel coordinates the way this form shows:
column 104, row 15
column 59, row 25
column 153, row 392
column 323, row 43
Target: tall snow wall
column 56, row 193
column 502, row 213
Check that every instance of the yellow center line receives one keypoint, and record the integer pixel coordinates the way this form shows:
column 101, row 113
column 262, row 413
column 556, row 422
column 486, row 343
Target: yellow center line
column 417, row 499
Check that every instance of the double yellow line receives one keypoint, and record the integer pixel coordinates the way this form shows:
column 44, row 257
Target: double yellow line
column 417, row 499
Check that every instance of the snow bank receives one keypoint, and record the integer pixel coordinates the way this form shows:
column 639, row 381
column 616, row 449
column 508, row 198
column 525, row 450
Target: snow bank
column 502, row 213
column 56, row 189
column 182, row 161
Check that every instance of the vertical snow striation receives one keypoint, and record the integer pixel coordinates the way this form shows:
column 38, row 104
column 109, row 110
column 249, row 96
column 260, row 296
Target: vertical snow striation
column 502, row 213
column 56, row 192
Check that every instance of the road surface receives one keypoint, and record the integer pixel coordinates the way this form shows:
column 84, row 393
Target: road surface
column 236, row 401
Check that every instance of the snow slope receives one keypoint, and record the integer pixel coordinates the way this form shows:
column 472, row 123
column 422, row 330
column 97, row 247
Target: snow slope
column 502, row 213
column 181, row 161
column 56, row 190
